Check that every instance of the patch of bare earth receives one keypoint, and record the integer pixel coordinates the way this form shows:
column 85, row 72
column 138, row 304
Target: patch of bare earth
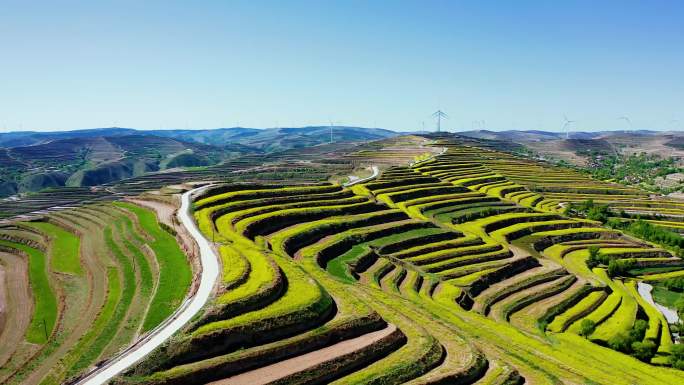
column 16, row 304
column 279, row 370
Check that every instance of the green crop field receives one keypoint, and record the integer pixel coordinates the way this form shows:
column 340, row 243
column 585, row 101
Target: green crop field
column 174, row 272
column 45, row 306
column 64, row 252
column 99, row 276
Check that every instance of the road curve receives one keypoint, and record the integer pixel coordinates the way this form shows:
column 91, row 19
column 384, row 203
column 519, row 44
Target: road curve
column 375, row 173
column 185, row 312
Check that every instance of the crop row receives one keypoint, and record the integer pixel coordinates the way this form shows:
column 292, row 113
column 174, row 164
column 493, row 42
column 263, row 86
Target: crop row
column 101, row 277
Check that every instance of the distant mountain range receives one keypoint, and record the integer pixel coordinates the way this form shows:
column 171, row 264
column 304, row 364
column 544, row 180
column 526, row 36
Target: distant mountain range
column 267, row 139
column 32, row 161
column 578, row 147
column 537, row 135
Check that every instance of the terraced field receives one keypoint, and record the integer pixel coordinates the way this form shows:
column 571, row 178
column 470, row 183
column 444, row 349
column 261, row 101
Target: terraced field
column 548, row 188
column 81, row 285
column 443, row 272
column 456, row 265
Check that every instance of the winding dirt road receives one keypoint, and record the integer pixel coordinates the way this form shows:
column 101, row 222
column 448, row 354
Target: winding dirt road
column 376, row 172
column 185, row 312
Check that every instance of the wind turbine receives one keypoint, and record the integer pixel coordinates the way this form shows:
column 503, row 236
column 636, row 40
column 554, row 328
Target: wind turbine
column 439, row 114
column 331, row 126
column 566, row 123
column 626, row 119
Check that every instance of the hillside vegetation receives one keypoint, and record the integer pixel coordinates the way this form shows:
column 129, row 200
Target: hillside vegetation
column 458, row 269
column 82, row 284
column 34, row 161
column 457, row 264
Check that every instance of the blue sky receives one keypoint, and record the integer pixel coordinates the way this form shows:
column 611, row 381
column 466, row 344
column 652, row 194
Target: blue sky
column 511, row 64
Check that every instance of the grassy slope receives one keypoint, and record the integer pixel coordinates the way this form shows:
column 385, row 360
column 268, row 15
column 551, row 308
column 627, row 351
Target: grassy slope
column 175, row 274
column 45, row 309
column 65, row 248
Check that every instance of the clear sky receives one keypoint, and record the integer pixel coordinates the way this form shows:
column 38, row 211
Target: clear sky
column 206, row 64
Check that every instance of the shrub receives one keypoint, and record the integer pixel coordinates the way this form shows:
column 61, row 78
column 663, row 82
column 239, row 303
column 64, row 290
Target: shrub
column 644, row 351
column 587, row 327
column 596, row 257
column 621, row 342
column 653, row 233
column 638, row 330
column 677, row 356
column 633, row 342
column 674, row 284
column 679, row 305
column 613, row 268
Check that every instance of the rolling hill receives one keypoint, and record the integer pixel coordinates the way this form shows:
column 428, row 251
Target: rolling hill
column 269, row 139
column 95, row 160
column 32, row 161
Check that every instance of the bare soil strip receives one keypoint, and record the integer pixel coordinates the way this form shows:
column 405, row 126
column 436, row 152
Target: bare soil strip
column 18, row 305
column 270, row 373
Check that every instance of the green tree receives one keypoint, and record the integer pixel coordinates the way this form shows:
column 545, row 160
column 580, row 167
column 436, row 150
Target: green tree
column 679, row 305
column 621, row 342
column 594, row 257
column 644, row 351
column 614, row 268
column 587, row 327
column 638, row 330
column 677, row 356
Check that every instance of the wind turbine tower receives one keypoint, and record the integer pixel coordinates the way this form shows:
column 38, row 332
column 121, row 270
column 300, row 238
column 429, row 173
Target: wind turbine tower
column 567, row 123
column 331, row 138
column 439, row 114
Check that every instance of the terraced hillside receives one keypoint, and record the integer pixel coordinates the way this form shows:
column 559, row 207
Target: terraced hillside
column 80, row 285
column 443, row 272
column 305, row 165
column 454, row 267
column 548, row 188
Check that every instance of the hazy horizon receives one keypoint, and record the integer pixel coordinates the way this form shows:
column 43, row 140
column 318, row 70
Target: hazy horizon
column 427, row 129
column 496, row 66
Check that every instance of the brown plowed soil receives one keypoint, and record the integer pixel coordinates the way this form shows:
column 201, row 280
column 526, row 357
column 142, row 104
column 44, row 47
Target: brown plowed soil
column 165, row 212
column 525, row 318
column 15, row 304
column 270, row 373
